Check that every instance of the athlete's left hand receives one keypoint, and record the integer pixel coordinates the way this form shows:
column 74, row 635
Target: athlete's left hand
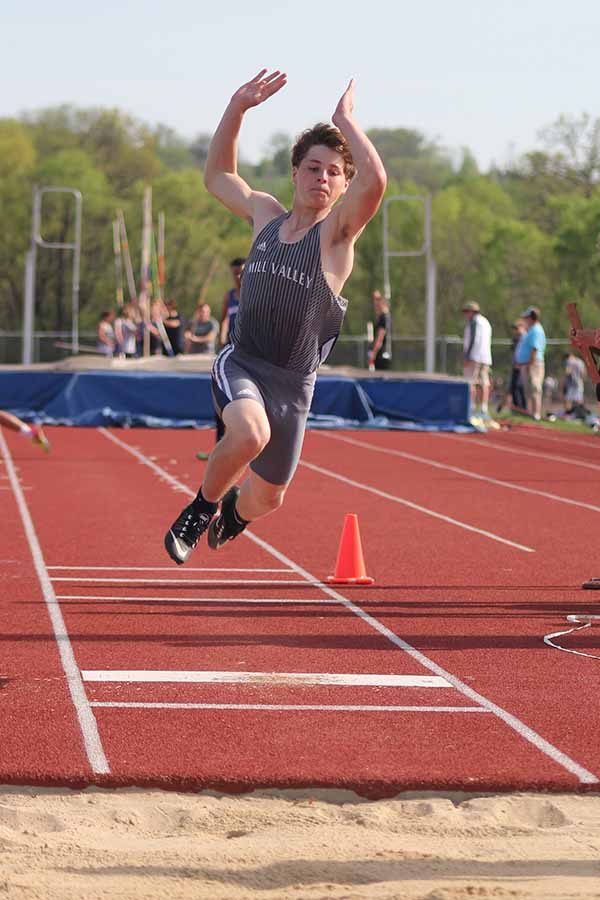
column 345, row 107
column 258, row 89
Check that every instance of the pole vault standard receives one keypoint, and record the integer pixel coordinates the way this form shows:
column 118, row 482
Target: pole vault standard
column 127, row 257
column 430, row 268
column 118, row 262
column 143, row 297
column 30, row 265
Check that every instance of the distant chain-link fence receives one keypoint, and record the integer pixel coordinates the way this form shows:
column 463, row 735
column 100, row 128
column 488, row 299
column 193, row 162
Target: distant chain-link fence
column 408, row 353
column 409, row 356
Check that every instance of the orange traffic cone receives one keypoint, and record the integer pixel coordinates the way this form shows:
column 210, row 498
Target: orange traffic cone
column 350, row 565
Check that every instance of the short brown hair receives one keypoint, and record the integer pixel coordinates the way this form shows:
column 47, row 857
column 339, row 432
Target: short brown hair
column 326, row 136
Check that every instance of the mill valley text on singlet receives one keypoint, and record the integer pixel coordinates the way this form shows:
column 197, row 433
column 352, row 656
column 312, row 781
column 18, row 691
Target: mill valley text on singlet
column 288, row 314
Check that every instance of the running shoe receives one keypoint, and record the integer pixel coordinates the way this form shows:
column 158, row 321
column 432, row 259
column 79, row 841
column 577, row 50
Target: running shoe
column 185, row 532
column 40, row 438
column 226, row 526
column 593, row 584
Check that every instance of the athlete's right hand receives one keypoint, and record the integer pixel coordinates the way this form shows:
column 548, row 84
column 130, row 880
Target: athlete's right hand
column 259, row 89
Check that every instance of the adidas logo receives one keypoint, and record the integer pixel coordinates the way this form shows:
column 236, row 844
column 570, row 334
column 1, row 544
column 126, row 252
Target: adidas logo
column 262, row 246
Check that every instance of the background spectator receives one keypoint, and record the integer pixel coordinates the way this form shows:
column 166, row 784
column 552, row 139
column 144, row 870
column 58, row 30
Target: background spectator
column 516, row 390
column 530, row 356
column 174, row 328
column 126, row 329
column 201, row 333
column 231, row 301
column 380, row 355
column 573, row 382
column 105, row 333
column 477, row 356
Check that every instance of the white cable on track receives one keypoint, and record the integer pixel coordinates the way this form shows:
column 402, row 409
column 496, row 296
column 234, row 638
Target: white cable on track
column 581, row 620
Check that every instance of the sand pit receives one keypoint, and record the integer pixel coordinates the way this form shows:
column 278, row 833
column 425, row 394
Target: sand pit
column 59, row 845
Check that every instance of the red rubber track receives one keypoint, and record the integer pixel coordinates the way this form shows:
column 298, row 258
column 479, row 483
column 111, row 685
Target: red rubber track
column 471, row 605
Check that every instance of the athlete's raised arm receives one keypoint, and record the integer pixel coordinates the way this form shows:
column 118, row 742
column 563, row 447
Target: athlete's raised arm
column 367, row 188
column 220, row 173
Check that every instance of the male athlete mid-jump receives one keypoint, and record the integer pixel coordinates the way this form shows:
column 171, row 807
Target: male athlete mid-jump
column 290, row 312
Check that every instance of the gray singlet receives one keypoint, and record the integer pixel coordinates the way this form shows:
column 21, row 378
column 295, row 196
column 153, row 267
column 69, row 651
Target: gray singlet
column 288, row 321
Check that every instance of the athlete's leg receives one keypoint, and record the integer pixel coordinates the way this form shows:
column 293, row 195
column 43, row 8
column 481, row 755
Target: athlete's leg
column 256, row 498
column 259, row 497
column 34, row 432
column 9, row 421
column 247, row 432
column 270, row 474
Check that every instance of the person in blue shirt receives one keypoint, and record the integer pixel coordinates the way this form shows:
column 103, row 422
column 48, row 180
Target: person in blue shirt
column 529, row 355
column 231, row 301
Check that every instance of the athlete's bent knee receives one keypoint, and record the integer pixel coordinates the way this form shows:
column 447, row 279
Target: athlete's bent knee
column 272, row 499
column 250, row 439
column 277, row 499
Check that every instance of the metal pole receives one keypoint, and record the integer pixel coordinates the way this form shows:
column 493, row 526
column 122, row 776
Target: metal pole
column 118, row 262
column 161, row 255
column 76, row 265
column 30, row 264
column 127, row 258
column 431, row 304
column 387, row 289
column 144, row 300
column 430, row 284
column 27, row 358
column 430, row 270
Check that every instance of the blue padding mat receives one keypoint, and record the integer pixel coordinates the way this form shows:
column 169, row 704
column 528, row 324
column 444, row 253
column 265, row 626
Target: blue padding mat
column 168, row 400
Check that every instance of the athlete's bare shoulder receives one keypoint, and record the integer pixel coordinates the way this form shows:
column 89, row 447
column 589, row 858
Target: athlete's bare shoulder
column 265, row 208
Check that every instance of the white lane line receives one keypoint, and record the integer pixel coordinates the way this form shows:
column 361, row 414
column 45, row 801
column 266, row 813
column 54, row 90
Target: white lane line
column 247, row 582
column 85, row 716
column 573, row 441
column 181, row 676
column 512, row 722
column 519, row 727
column 580, row 621
column 154, row 569
column 509, row 485
column 429, row 512
column 553, row 457
column 320, row 601
column 285, row 707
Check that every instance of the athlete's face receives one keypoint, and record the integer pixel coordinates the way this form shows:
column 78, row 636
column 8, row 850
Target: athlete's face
column 320, row 179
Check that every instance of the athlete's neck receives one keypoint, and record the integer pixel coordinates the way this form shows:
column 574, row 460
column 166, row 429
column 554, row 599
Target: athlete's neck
column 301, row 219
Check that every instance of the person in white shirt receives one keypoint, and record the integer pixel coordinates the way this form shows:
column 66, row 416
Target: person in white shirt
column 477, row 356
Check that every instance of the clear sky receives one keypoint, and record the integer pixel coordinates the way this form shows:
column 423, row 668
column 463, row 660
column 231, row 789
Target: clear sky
column 486, row 74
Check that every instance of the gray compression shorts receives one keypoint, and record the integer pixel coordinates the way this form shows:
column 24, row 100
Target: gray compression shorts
column 284, row 394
